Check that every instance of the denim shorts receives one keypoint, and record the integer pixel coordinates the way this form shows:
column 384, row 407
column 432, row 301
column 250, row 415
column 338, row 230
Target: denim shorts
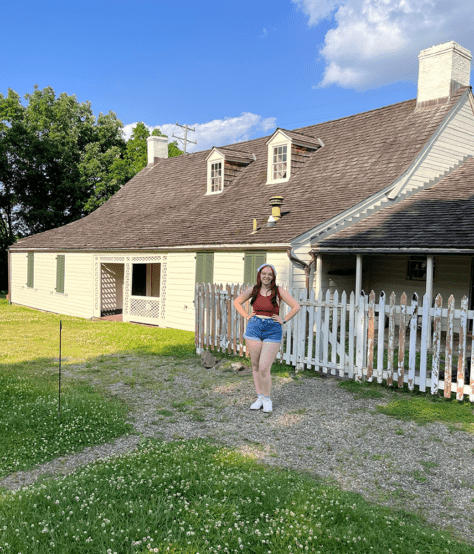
column 266, row 330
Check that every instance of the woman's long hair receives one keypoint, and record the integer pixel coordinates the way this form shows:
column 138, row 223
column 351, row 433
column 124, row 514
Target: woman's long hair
column 274, row 289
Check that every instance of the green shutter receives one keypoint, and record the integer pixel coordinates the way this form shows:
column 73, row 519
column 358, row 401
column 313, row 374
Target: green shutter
column 252, row 261
column 31, row 270
column 205, row 267
column 60, row 270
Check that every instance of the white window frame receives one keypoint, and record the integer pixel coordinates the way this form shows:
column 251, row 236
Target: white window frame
column 216, row 183
column 213, row 185
column 279, row 142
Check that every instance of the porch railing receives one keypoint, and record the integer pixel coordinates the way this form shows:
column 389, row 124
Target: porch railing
column 425, row 344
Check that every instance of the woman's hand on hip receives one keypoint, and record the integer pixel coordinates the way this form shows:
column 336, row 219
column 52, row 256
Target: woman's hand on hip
column 277, row 318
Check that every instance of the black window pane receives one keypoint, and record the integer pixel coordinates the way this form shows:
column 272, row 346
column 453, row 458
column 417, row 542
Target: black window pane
column 139, row 280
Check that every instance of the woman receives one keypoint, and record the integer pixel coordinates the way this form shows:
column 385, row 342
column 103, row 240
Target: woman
column 264, row 329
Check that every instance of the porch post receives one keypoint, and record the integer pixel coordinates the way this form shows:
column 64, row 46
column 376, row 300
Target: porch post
column 429, row 289
column 319, row 275
column 358, row 283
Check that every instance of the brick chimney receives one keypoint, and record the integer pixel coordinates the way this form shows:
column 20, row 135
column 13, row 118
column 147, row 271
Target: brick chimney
column 443, row 69
column 157, row 147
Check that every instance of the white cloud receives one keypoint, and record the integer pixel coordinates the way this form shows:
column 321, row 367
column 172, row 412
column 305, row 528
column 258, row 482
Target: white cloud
column 217, row 132
column 264, row 33
column 376, row 42
column 317, row 10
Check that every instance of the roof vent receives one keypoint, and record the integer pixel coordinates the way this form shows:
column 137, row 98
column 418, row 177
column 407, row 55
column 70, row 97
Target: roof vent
column 276, row 202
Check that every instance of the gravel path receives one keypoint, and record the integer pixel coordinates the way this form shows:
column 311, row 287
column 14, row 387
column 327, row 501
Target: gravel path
column 316, row 426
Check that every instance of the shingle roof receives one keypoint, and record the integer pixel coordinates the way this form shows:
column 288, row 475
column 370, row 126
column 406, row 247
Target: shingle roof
column 438, row 218
column 166, row 205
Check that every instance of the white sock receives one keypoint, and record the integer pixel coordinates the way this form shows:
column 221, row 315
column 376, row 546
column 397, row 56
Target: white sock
column 266, row 397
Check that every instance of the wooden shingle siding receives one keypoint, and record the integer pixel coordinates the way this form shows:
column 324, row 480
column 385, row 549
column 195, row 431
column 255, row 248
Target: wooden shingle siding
column 299, row 154
column 78, row 298
column 231, row 171
column 60, row 273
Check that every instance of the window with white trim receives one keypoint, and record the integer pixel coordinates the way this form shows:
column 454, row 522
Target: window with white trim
column 279, row 162
column 216, row 178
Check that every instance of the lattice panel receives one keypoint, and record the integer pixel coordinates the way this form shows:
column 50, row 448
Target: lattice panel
column 126, row 287
column 164, row 267
column 96, row 287
column 97, row 284
column 145, row 307
column 147, row 259
column 111, row 259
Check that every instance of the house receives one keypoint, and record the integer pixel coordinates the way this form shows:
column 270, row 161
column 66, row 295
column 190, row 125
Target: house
column 379, row 200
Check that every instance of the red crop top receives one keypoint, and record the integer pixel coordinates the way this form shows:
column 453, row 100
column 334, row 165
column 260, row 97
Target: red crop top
column 263, row 306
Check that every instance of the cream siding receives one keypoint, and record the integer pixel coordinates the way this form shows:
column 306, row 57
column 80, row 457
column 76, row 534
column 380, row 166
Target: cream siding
column 78, row 283
column 228, row 267
column 180, row 284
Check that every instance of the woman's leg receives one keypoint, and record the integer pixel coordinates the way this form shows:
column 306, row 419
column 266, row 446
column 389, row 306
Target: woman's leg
column 268, row 353
column 255, row 347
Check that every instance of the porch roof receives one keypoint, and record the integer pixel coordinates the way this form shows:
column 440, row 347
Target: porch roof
column 435, row 220
column 166, row 206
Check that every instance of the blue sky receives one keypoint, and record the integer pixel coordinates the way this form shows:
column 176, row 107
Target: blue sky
column 233, row 70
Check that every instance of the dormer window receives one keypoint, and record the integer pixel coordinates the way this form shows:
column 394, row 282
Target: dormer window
column 287, row 151
column 223, row 166
column 279, row 162
column 217, row 181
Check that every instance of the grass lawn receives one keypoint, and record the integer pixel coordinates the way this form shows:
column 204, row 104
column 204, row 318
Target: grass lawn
column 194, row 497
column 179, row 497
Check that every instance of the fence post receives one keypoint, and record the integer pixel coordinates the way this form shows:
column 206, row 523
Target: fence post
column 448, row 365
column 342, row 336
column 381, row 338
column 425, row 340
column 371, row 336
column 391, row 340
column 462, row 349
column 360, row 330
column 412, row 351
column 352, row 322
column 196, row 318
column 401, row 340
column 436, row 345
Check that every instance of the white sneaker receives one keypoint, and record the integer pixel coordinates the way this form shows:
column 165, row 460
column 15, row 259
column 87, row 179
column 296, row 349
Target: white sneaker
column 257, row 404
column 267, row 405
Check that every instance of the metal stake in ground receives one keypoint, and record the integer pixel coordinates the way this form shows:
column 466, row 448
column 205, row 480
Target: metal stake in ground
column 59, row 395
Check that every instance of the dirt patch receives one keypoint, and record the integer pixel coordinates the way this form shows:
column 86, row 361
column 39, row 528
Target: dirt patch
column 288, row 420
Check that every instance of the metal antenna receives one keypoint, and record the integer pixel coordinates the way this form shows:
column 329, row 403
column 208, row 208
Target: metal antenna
column 185, row 139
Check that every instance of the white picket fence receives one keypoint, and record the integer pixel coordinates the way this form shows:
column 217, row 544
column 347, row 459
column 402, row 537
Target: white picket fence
column 404, row 342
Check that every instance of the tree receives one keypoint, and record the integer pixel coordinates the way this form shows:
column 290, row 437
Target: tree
column 137, row 146
column 49, row 149
column 58, row 162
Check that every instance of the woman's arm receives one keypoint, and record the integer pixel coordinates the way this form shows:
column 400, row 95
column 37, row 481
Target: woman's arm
column 295, row 307
column 240, row 300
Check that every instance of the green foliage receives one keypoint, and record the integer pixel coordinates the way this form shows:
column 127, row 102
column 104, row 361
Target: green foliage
column 58, row 162
column 189, row 497
column 33, row 433
column 137, row 147
column 424, row 409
